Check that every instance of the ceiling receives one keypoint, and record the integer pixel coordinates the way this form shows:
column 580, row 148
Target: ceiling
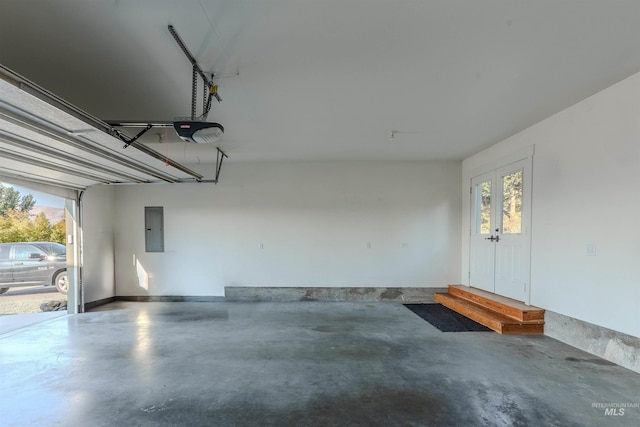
column 327, row 80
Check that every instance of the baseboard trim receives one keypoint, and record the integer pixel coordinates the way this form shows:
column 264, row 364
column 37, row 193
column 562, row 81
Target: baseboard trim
column 614, row 346
column 291, row 294
column 169, row 298
column 325, row 294
column 95, row 304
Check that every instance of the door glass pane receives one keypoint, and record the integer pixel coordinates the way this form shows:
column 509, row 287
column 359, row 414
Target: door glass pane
column 483, row 208
column 512, row 203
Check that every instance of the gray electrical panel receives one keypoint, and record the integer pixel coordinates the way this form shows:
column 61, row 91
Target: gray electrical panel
column 154, row 228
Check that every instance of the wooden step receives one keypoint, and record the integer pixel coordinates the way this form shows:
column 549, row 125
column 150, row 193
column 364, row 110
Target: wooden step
column 504, row 305
column 496, row 321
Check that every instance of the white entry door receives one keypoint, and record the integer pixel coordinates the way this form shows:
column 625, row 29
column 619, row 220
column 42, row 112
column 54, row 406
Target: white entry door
column 482, row 247
column 500, row 237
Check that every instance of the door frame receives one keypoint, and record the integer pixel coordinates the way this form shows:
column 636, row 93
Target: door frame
column 483, row 163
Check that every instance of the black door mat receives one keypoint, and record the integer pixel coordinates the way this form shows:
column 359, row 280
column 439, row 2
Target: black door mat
column 446, row 319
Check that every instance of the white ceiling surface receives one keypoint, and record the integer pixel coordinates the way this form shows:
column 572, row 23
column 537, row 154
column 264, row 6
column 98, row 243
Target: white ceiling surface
column 328, row 80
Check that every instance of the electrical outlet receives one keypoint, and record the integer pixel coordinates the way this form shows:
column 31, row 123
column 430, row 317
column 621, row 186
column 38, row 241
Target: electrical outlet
column 591, row 249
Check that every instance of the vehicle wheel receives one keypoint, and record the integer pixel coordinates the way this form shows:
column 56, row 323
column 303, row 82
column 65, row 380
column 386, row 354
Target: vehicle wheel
column 61, row 282
column 3, row 290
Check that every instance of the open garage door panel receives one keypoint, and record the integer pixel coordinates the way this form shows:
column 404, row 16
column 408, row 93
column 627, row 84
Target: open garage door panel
column 43, row 143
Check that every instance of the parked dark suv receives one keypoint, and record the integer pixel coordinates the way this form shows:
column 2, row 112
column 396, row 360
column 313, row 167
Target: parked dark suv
column 33, row 264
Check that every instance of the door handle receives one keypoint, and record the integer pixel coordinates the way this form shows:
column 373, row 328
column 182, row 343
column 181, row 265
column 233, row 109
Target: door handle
column 493, row 239
column 18, row 263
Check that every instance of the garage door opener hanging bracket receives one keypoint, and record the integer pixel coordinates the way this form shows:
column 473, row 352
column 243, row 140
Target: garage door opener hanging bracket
column 128, row 141
column 220, row 155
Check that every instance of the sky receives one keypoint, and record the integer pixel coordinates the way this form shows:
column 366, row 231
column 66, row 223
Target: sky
column 42, row 199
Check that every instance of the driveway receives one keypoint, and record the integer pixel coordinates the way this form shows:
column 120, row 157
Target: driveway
column 28, row 300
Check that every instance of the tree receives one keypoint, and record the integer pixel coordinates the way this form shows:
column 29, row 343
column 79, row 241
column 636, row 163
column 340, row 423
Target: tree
column 27, row 203
column 15, row 226
column 41, row 229
column 59, row 232
column 10, row 200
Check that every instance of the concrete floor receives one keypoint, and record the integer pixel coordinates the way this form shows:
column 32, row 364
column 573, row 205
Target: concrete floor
column 13, row 322
column 136, row 364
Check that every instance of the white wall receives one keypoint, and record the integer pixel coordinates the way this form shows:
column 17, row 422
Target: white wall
column 295, row 224
column 98, row 275
column 585, row 192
